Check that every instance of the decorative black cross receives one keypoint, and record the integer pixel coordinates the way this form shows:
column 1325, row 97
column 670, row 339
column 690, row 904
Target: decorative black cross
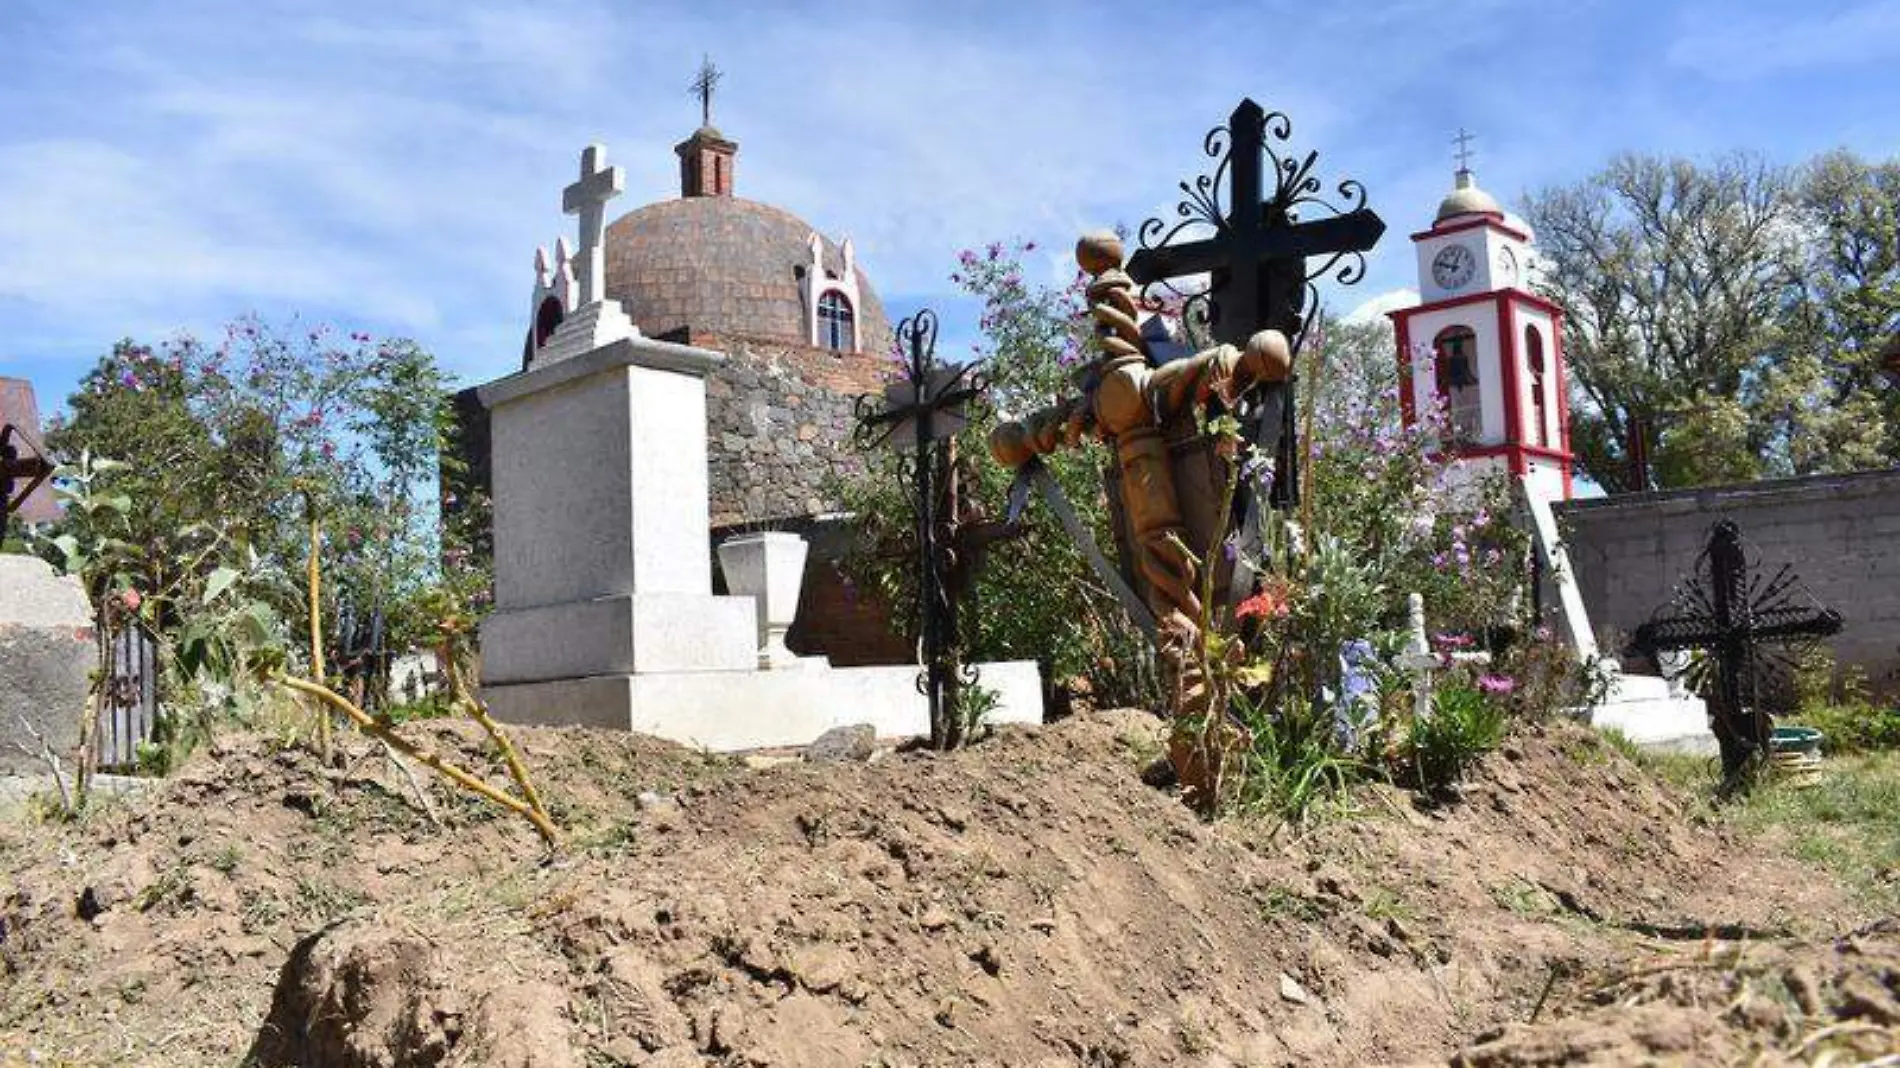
column 919, row 414
column 32, row 467
column 1256, row 259
column 702, row 87
column 1257, row 242
column 1751, row 628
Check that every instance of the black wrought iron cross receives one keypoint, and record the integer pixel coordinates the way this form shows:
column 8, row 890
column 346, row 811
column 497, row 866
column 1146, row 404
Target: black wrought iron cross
column 1750, row 626
column 1258, row 242
column 919, row 414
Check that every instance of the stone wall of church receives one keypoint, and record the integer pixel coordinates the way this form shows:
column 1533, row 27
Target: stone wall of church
column 1841, row 533
column 779, row 427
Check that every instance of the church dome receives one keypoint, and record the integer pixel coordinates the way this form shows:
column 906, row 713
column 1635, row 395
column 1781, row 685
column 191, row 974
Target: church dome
column 729, row 267
column 1467, row 199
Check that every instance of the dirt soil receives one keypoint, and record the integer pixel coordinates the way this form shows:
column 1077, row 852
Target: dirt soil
column 1025, row 902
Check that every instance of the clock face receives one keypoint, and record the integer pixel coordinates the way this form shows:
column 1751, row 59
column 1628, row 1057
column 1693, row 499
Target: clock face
column 1507, row 267
column 1453, row 266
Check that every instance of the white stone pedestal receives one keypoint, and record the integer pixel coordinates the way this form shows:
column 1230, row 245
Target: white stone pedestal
column 602, row 565
column 768, row 567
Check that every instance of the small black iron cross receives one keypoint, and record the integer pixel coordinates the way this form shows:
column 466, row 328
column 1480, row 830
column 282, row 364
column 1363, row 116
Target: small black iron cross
column 1463, row 141
column 1746, row 625
column 1257, row 255
column 14, row 467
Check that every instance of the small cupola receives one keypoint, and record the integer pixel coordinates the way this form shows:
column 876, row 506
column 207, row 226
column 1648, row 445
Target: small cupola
column 1467, row 199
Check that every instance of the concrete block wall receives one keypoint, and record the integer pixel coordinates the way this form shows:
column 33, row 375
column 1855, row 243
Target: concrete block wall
column 1840, row 532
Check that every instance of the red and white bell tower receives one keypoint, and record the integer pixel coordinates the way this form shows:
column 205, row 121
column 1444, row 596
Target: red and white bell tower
column 1484, row 347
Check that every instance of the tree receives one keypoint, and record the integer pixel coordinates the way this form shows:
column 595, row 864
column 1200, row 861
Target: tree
column 1843, row 310
column 1728, row 317
column 1673, row 276
column 218, row 445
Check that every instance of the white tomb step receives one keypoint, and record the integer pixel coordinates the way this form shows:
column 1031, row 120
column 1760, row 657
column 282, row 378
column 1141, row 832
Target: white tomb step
column 1644, row 709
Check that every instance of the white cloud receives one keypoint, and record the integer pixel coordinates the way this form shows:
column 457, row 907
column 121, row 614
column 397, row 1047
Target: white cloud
column 1375, row 307
column 1728, row 45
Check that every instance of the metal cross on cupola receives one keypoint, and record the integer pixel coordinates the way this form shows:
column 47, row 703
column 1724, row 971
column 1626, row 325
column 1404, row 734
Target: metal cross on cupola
column 1256, row 256
column 1751, row 626
column 588, row 199
column 703, row 85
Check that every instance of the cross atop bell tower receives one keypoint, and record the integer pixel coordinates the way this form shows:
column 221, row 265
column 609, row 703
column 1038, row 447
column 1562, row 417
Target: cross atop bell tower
column 1463, row 141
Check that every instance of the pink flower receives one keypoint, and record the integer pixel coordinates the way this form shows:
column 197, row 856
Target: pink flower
column 1496, row 685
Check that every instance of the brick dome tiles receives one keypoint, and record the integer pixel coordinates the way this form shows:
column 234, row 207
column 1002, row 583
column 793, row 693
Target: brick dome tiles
column 725, row 266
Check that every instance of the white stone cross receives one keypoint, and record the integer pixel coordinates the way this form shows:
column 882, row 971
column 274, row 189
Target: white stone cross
column 588, row 199
column 1418, row 660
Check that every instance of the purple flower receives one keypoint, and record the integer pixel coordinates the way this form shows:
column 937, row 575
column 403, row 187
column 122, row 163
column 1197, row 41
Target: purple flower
column 1496, row 685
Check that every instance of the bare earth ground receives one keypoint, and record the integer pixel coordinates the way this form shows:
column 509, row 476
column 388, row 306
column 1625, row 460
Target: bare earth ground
column 1027, row 902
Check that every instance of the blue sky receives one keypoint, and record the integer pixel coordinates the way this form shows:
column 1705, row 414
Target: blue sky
column 391, row 166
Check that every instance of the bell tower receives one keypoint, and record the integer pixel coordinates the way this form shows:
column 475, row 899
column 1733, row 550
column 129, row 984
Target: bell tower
column 1482, row 346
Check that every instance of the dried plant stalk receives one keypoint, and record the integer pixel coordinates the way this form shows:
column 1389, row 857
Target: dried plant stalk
column 509, row 754
column 316, row 622
column 454, row 773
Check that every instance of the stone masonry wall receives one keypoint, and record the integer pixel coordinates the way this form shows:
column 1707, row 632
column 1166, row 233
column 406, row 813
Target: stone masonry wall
column 779, row 427
column 1841, row 533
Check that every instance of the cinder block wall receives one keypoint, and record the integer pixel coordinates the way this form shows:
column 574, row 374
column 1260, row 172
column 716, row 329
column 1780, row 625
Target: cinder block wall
column 1841, row 533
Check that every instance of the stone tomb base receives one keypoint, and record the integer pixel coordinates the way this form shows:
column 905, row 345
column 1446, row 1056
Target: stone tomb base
column 728, row 710
column 1644, row 710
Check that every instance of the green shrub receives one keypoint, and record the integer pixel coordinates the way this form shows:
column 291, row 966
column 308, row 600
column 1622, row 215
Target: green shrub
column 1464, row 725
column 1292, row 767
column 1841, row 706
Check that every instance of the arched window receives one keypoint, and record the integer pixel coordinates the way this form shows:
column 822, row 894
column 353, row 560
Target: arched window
column 1456, row 358
column 836, row 329
column 546, row 319
column 1534, row 352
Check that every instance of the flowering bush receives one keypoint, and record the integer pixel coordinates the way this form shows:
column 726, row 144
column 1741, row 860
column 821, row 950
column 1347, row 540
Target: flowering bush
column 1035, row 598
column 219, row 443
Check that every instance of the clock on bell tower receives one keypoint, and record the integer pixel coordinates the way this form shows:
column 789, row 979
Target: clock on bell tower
column 1482, row 347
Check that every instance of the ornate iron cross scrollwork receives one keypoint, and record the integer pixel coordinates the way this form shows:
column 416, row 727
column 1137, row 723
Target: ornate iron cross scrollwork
column 1255, row 249
column 919, row 414
column 20, row 460
column 1754, row 626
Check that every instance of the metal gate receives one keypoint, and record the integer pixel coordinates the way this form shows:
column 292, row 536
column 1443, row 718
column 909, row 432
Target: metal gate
column 128, row 706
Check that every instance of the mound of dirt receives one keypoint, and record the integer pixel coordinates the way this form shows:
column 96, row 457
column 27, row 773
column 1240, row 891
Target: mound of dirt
column 1726, row 1003
column 1024, row 902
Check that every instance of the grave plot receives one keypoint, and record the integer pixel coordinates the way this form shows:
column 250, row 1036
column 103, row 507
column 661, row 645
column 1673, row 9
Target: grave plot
column 1025, row 901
